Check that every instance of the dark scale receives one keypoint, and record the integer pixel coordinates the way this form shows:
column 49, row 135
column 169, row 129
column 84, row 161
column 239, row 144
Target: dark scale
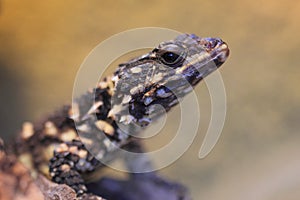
column 102, row 95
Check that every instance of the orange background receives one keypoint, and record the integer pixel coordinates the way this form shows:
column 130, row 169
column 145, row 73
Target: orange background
column 43, row 44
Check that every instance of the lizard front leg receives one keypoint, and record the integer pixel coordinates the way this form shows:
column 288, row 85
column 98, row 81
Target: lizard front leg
column 69, row 162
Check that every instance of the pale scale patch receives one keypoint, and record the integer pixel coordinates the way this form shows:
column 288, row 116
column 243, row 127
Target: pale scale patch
column 109, row 145
column 157, row 77
column 62, row 148
column 50, row 129
column 68, row 135
column 65, row 167
column 115, row 79
column 105, row 127
column 111, row 85
column 127, row 119
column 74, row 112
column 137, row 89
column 103, row 85
column 83, row 128
column 82, row 153
column 100, row 154
column 193, row 60
column 92, row 110
column 136, row 70
column 44, row 169
column 26, row 160
column 126, row 99
column 73, row 149
column 48, row 151
column 27, row 130
column 115, row 109
column 87, row 141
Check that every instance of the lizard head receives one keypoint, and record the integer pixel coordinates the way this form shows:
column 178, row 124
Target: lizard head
column 164, row 75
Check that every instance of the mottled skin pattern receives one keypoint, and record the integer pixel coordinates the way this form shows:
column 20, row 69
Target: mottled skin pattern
column 163, row 76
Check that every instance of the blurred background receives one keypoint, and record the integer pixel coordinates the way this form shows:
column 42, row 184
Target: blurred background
column 257, row 157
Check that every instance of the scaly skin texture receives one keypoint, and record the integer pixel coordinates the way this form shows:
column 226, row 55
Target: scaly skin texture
column 127, row 99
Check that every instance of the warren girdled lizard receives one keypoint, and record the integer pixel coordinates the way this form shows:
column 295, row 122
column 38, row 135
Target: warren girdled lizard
column 72, row 143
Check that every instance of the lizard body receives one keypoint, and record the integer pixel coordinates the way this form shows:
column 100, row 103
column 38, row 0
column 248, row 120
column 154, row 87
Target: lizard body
column 71, row 143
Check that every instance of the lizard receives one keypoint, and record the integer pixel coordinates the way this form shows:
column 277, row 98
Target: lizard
column 72, row 143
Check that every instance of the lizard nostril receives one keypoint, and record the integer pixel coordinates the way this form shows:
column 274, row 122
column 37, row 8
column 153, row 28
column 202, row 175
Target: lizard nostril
column 212, row 42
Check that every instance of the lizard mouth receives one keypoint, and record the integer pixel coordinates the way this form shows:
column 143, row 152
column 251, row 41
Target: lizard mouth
column 220, row 54
column 213, row 54
column 217, row 49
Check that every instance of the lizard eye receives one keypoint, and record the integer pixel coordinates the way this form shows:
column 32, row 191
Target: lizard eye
column 171, row 58
column 172, row 55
